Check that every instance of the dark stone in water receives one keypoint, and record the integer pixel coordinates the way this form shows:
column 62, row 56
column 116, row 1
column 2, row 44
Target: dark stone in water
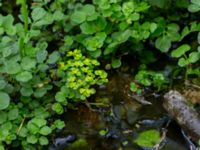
column 60, row 143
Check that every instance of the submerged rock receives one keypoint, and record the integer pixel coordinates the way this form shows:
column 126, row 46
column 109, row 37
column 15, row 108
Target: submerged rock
column 176, row 105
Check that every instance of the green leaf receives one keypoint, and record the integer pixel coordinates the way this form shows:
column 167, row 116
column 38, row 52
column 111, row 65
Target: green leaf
column 163, row 43
column 153, row 27
column 93, row 26
column 182, row 62
column 4, row 100
column 194, row 57
column 59, row 124
column 57, row 107
column 33, row 129
column 58, row 15
column 28, row 63
column 148, row 138
column 13, row 114
column 128, row 8
column 24, row 76
column 103, row 132
column 60, row 96
column 3, row 117
column 41, row 55
column 45, row 130
column 43, row 140
column 88, row 9
column 38, row 13
column 2, row 84
column 12, row 67
column 181, row 50
column 40, row 92
column 193, row 8
column 32, row 139
column 39, row 122
column 23, row 132
column 53, row 57
column 116, row 63
column 134, row 17
column 78, row 17
column 26, row 91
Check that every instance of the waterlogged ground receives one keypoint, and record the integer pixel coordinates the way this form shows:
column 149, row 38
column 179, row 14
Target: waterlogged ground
column 117, row 123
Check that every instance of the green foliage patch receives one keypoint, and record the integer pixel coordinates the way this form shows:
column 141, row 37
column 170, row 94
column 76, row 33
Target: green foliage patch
column 50, row 54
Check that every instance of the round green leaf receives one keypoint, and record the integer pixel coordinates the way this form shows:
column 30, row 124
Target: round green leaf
column 148, row 138
column 116, row 63
column 3, row 117
column 45, row 130
column 135, row 16
column 194, row 57
column 12, row 67
column 4, row 100
column 32, row 139
column 28, row 63
column 26, row 91
column 38, row 13
column 24, row 76
column 2, row 84
column 193, row 8
column 39, row 122
column 78, row 17
column 60, row 97
column 163, row 43
column 57, row 107
column 88, row 9
column 182, row 62
column 43, row 140
column 53, row 57
column 13, row 114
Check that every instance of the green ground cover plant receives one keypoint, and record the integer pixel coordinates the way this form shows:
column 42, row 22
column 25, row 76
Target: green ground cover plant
column 51, row 54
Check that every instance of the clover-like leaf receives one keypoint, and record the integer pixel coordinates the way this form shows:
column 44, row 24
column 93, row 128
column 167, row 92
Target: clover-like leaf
column 181, row 50
column 4, row 100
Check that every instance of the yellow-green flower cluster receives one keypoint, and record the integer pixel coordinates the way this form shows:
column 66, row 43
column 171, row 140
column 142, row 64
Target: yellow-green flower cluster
column 81, row 74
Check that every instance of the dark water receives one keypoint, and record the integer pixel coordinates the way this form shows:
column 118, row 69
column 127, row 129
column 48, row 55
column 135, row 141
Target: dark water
column 120, row 116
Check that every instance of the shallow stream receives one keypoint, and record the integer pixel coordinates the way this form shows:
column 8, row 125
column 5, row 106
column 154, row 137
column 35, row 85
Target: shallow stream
column 117, row 122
